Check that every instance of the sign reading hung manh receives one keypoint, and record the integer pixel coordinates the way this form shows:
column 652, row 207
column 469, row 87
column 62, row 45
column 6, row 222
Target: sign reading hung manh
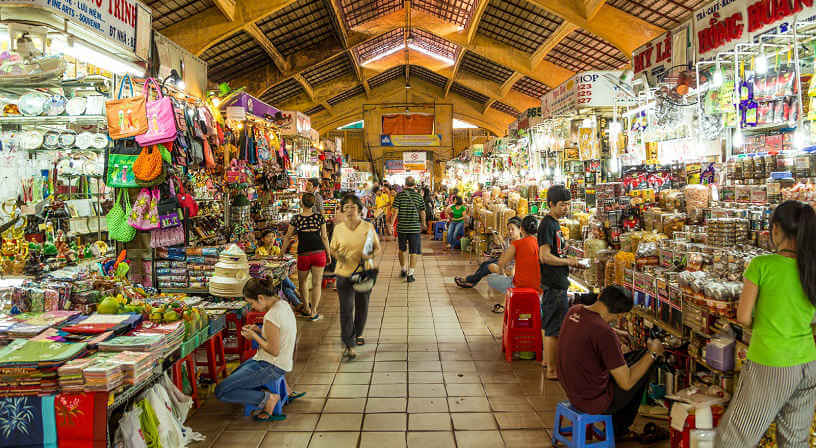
column 720, row 25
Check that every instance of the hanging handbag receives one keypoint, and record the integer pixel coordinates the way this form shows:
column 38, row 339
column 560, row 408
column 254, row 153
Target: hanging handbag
column 161, row 120
column 187, row 202
column 209, row 160
column 148, row 165
column 234, row 172
column 178, row 113
column 117, row 219
column 171, row 236
column 119, row 161
column 127, row 117
column 168, row 208
column 145, row 214
column 162, row 178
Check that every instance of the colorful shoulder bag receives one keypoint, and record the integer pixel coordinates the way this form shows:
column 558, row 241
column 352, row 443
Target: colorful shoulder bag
column 117, row 219
column 145, row 213
column 127, row 117
column 161, row 120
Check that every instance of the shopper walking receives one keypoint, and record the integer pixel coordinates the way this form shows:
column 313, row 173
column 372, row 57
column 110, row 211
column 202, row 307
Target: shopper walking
column 276, row 346
column 554, row 274
column 313, row 250
column 429, row 205
column 409, row 210
column 313, row 186
column 458, row 212
column 349, row 246
column 778, row 381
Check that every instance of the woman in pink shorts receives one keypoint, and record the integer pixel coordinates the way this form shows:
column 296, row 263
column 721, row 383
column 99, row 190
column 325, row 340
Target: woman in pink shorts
column 313, row 250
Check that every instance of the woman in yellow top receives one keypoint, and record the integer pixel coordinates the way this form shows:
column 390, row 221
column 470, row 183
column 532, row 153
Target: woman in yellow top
column 347, row 245
column 381, row 203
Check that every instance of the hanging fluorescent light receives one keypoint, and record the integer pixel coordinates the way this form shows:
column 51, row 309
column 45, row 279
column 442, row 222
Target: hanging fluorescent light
column 799, row 139
column 761, row 64
column 717, row 79
column 102, row 60
column 739, row 139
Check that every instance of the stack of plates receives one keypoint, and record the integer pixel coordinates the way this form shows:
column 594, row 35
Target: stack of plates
column 231, row 273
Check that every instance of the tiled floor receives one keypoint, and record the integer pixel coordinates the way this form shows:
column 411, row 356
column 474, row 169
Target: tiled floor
column 431, row 374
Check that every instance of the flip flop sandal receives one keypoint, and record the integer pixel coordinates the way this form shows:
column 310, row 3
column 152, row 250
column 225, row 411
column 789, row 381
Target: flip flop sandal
column 266, row 417
column 294, row 397
column 360, row 341
column 498, row 308
column 315, row 318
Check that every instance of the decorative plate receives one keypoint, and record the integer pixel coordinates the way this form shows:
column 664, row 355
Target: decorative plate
column 55, row 105
column 76, row 105
column 31, row 140
column 84, row 140
column 32, row 104
column 100, row 141
column 67, row 139
column 51, row 140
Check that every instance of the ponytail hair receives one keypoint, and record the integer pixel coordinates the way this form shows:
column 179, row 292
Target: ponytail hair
column 797, row 220
column 257, row 287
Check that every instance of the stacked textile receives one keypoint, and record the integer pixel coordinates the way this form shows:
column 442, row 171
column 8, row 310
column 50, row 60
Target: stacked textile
column 105, row 374
column 27, row 325
column 172, row 334
column 136, row 366
column 100, row 323
column 30, row 367
column 137, row 343
column 71, row 374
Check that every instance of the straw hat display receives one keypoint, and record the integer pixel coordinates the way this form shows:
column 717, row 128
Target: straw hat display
column 231, row 273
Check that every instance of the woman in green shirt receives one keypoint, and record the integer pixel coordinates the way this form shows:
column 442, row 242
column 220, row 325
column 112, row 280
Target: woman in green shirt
column 458, row 212
column 778, row 382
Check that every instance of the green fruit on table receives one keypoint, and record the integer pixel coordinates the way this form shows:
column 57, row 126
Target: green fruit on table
column 108, row 306
column 156, row 317
column 171, row 316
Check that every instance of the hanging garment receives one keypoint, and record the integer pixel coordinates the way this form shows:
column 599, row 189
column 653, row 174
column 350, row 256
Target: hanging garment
column 81, row 420
column 28, row 422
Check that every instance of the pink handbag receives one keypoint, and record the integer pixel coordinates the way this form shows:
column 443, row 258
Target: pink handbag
column 171, row 236
column 144, row 214
column 161, row 120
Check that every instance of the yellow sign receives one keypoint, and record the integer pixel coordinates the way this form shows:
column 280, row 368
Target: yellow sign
column 410, row 140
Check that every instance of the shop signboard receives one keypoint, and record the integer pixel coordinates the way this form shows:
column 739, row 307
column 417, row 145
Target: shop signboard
column 722, row 24
column 294, row 123
column 394, row 166
column 236, row 113
column 253, row 106
column 662, row 53
column 114, row 20
column 414, row 161
column 411, row 140
column 585, row 89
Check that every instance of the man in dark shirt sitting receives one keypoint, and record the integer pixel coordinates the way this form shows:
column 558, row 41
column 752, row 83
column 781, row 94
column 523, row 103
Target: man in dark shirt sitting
column 589, row 353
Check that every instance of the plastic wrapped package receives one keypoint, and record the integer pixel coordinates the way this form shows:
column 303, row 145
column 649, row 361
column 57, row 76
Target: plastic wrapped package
column 623, row 260
column 697, row 198
column 573, row 227
column 592, row 247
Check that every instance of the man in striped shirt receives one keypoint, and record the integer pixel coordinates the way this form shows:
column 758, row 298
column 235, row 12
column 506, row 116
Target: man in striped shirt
column 409, row 211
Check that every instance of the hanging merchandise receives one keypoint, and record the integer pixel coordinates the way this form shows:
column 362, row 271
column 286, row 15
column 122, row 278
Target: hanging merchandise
column 145, row 214
column 161, row 120
column 119, row 228
column 148, row 166
column 127, row 117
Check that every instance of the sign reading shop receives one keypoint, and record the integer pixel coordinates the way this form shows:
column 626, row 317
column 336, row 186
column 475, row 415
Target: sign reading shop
column 724, row 23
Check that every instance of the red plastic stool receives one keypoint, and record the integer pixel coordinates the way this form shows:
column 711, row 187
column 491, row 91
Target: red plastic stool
column 328, row 280
column 237, row 320
column 521, row 331
column 216, row 359
column 191, row 374
column 252, row 318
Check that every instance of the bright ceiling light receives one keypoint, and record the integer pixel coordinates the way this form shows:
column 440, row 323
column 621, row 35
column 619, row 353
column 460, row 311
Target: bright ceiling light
column 761, row 64
column 84, row 53
column 438, row 57
column 384, row 54
column 459, row 124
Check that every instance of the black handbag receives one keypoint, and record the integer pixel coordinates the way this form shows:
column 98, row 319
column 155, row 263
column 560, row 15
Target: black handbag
column 170, row 214
column 362, row 279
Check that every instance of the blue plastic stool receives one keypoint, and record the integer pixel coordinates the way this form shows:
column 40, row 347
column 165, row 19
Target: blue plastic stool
column 439, row 227
column 575, row 436
column 276, row 387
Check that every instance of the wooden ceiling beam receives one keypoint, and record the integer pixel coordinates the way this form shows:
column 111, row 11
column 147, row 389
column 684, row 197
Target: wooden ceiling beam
column 259, row 36
column 511, row 81
column 487, row 105
column 455, row 71
column 227, row 7
column 560, row 33
column 473, row 27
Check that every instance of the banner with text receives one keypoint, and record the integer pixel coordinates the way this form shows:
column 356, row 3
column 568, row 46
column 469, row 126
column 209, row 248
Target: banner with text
column 414, row 161
column 585, row 89
column 410, row 140
column 666, row 51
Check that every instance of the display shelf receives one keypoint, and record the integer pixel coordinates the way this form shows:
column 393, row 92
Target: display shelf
column 185, row 290
column 702, row 362
column 56, row 119
column 653, row 319
column 768, row 128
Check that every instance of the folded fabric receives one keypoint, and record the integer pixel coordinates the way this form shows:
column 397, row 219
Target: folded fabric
column 81, row 420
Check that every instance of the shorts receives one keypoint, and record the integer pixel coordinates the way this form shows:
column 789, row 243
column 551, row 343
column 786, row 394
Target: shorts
column 311, row 260
column 412, row 242
column 554, row 306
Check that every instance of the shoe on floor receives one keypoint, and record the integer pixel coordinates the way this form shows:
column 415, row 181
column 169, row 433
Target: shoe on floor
column 410, row 279
column 403, row 274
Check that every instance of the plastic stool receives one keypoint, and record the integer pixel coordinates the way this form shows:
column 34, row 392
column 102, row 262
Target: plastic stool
column 237, row 320
column 583, row 428
column 178, row 380
column 327, row 279
column 276, row 387
column 438, row 229
column 216, row 360
column 521, row 330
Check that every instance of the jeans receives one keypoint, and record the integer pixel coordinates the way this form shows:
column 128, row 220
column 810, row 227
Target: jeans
column 625, row 403
column 500, row 283
column 455, row 231
column 353, row 311
column 290, row 292
column 481, row 272
column 245, row 384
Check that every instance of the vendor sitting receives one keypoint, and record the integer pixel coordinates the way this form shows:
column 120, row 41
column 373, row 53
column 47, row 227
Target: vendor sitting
column 276, row 346
column 589, row 353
